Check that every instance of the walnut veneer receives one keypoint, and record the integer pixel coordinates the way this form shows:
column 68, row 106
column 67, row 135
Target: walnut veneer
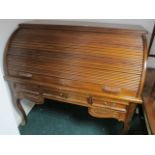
column 102, row 68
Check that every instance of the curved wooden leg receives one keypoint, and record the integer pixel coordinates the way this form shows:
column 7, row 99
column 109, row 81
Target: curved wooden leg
column 127, row 123
column 24, row 117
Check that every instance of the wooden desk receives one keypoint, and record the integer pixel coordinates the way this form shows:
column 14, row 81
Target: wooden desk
column 102, row 68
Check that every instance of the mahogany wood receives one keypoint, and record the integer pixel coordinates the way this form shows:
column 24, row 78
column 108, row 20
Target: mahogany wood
column 102, row 68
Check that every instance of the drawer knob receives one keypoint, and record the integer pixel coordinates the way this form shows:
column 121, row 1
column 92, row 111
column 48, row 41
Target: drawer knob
column 105, row 103
column 90, row 99
column 63, row 95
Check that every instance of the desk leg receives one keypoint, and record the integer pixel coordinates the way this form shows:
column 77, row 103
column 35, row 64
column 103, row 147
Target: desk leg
column 127, row 123
column 24, row 117
column 17, row 103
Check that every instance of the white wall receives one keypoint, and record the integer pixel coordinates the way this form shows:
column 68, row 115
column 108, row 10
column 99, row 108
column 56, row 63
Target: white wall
column 9, row 118
column 8, row 115
column 8, row 123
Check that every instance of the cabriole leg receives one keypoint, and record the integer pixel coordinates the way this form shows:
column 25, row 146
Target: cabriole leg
column 24, row 117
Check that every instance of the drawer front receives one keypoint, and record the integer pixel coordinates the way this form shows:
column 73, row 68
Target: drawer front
column 30, row 92
column 100, row 112
column 65, row 96
column 27, row 88
column 83, row 99
column 110, row 104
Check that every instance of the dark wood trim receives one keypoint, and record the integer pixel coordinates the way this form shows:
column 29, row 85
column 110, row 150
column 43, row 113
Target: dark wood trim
column 136, row 30
column 150, row 55
column 151, row 42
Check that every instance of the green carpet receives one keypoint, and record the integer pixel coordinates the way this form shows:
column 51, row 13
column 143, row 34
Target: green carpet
column 56, row 118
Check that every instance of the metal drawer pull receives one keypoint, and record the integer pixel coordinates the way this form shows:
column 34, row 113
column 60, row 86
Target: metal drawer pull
column 111, row 89
column 22, row 74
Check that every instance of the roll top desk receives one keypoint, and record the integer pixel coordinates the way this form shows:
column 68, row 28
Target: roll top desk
column 102, row 68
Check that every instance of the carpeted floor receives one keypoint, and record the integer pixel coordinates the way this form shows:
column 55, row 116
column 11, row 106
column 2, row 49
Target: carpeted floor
column 56, row 118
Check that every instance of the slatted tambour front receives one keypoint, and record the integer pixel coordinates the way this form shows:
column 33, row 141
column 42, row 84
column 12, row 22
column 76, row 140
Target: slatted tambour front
column 102, row 68
column 89, row 60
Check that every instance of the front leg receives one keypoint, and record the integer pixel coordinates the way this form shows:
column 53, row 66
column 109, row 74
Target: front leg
column 16, row 100
column 130, row 113
column 20, row 108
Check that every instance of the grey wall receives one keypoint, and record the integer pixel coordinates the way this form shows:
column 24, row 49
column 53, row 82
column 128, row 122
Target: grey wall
column 8, row 114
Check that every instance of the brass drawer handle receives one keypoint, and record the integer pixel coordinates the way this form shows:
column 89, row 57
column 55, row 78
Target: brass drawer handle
column 111, row 89
column 90, row 100
column 22, row 74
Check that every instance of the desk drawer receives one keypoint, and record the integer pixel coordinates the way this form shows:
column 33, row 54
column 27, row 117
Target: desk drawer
column 29, row 88
column 27, row 91
column 110, row 103
column 65, row 95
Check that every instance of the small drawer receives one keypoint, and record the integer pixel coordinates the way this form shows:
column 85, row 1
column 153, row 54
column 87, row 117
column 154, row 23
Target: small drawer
column 100, row 112
column 109, row 103
column 65, row 95
column 27, row 88
column 27, row 91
